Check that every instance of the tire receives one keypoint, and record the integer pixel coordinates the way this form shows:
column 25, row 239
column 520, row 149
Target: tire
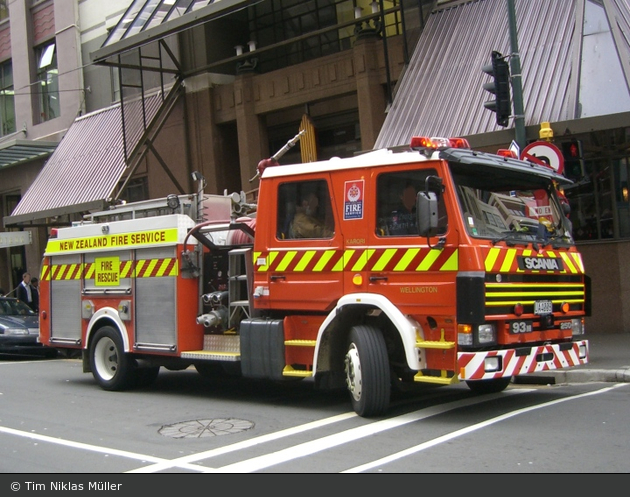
column 112, row 368
column 367, row 371
column 489, row 386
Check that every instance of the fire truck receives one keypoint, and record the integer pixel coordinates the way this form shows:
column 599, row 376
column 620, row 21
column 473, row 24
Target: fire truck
column 479, row 282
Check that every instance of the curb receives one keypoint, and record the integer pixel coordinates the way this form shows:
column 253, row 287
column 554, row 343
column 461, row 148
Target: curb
column 621, row 375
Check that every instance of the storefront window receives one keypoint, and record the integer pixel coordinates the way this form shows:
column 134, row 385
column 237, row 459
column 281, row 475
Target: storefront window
column 599, row 198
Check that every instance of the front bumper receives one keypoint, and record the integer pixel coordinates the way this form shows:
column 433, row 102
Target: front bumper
column 521, row 361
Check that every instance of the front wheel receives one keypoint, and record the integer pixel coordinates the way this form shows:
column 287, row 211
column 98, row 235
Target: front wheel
column 494, row 385
column 111, row 367
column 367, row 371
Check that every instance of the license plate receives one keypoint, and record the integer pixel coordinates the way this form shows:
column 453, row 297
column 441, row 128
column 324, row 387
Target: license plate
column 518, row 327
column 543, row 307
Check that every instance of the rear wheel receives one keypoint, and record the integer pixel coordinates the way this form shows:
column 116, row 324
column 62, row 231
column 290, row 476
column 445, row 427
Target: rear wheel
column 367, row 371
column 489, row 386
column 111, row 367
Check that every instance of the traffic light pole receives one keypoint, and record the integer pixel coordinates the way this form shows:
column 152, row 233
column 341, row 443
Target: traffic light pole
column 517, row 86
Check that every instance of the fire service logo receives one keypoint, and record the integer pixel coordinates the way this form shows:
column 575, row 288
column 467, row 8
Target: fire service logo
column 353, row 200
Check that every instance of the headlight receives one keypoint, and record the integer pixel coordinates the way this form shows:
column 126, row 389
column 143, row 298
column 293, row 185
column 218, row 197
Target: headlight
column 486, row 334
column 577, row 327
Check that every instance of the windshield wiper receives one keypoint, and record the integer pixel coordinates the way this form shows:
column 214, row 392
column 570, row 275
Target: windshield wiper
column 512, row 238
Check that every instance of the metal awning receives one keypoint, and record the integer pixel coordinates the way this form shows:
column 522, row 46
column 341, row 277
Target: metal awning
column 441, row 92
column 81, row 173
column 14, row 152
column 146, row 22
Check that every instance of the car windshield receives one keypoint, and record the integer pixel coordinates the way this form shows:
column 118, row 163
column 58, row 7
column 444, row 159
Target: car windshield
column 513, row 207
column 14, row 307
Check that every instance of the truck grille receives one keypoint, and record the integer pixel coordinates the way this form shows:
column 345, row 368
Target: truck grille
column 501, row 297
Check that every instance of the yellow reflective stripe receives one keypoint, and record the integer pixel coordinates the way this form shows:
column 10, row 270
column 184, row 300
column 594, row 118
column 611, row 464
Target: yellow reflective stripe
column 509, row 259
column 429, row 259
column 363, row 260
column 492, row 258
column 451, row 264
column 384, row 259
column 341, row 264
column 323, row 260
column 406, row 259
column 570, row 266
column 163, row 267
column 578, row 260
column 304, row 260
column 89, row 274
column 268, row 261
column 286, row 260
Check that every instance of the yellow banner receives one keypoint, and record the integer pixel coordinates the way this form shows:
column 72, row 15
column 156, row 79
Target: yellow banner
column 121, row 241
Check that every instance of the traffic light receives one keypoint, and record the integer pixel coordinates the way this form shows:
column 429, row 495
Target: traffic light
column 573, row 160
column 500, row 87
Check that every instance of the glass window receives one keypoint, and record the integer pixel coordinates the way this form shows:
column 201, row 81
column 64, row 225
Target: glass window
column 396, row 197
column 4, row 9
column 48, row 79
column 304, row 210
column 599, row 165
column 7, row 99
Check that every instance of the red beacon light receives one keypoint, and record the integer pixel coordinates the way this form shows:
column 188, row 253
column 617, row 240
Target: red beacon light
column 505, row 152
column 435, row 142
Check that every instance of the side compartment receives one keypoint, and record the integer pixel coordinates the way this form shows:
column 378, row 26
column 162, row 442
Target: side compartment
column 155, row 299
column 65, row 299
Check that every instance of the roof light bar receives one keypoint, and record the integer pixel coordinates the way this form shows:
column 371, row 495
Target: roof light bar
column 435, row 142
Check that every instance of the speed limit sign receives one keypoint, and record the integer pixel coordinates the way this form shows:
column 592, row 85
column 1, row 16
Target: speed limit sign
column 544, row 154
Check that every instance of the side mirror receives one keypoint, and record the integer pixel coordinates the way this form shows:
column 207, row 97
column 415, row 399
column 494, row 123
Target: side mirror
column 427, row 213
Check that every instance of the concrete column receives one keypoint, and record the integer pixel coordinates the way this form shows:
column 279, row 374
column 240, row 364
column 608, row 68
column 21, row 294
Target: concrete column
column 252, row 142
column 370, row 91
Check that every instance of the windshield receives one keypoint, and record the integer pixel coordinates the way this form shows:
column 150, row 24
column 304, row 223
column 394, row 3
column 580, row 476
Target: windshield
column 514, row 207
column 12, row 307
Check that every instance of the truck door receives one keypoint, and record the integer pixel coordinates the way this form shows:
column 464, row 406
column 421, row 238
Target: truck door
column 302, row 263
column 414, row 272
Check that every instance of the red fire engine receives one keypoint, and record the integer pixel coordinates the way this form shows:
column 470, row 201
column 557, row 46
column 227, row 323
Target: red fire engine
column 330, row 277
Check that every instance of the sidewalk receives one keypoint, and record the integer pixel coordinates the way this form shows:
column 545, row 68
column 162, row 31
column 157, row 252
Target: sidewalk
column 609, row 361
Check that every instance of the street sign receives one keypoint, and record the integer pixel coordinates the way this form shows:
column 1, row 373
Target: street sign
column 15, row 238
column 544, row 154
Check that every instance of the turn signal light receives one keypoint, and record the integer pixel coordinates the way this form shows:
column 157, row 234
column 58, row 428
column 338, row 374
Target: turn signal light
column 565, row 307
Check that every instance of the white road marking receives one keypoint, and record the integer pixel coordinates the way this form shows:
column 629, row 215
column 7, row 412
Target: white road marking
column 464, row 431
column 243, row 445
column 307, row 448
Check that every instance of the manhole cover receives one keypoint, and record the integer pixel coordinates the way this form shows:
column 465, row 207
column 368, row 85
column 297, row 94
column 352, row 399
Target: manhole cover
column 198, row 428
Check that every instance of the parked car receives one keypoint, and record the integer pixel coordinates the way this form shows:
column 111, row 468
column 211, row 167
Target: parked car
column 19, row 329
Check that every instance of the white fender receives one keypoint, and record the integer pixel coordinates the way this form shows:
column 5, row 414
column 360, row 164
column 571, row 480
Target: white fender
column 111, row 314
column 407, row 327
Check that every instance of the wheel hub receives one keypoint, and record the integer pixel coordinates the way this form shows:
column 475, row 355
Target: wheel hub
column 353, row 372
